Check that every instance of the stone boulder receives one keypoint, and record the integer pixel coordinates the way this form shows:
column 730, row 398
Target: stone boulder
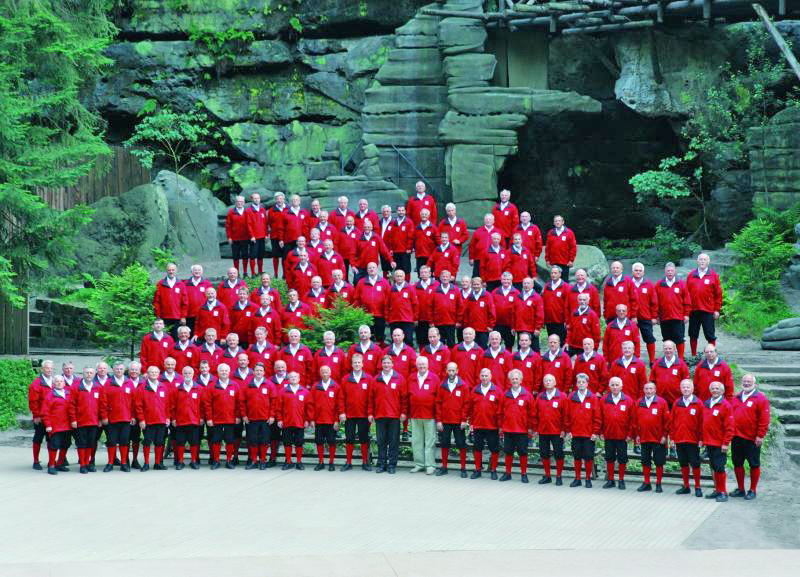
column 783, row 336
column 589, row 258
column 774, row 151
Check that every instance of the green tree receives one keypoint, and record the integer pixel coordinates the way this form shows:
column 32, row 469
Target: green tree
column 51, row 51
column 343, row 319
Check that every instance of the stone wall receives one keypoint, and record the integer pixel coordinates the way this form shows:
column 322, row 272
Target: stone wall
column 774, row 152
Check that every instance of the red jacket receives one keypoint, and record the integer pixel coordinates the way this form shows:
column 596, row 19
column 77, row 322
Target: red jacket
column 425, row 299
column 414, row 206
column 560, row 249
column 267, row 356
column 506, row 219
column 717, row 423
column 560, row 367
column 242, row 320
column 293, row 257
column 478, row 313
column 425, row 241
column 300, row 279
column 255, row 297
column 594, row 297
column 505, row 305
column 705, row 293
column 301, row 362
column 422, row 396
column 326, row 266
column 494, row 262
column 188, row 357
column 400, row 236
column 153, row 352
column 271, row 320
column 521, row 264
column 257, row 224
column 617, row 418
column 329, row 232
column 371, row 357
column 222, row 404
column 293, row 224
column 469, row 362
column 388, row 400
column 500, row 366
column 85, row 404
column 615, row 336
column 213, row 356
column 402, row 306
column 355, row 395
column 750, row 417
column 242, row 379
column 596, row 368
column 346, row 243
column 550, row 415
column 236, row 225
column 196, row 295
column 646, row 300
column 633, row 377
column 483, row 411
column 529, row 313
column 370, row 250
column 256, row 400
column 118, row 406
column 437, row 360
column 531, row 239
column 452, row 407
column 457, row 233
column 481, row 240
column 668, row 379
column 216, row 318
column 404, row 363
column 516, row 414
column 445, row 306
column 347, row 293
column 275, row 219
column 686, row 421
column 293, row 316
column 371, row 216
column 673, row 302
column 704, row 376
column 584, row 418
column 338, row 218
column 556, row 302
column 186, row 406
column 294, row 409
column 55, row 411
column 337, row 361
column 531, row 367
column 373, row 298
column 152, row 405
column 623, row 293
column 170, row 303
column 445, row 259
column 652, row 423
column 327, row 404
column 581, row 326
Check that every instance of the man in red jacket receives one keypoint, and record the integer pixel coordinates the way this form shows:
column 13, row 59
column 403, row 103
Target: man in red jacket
column 556, row 362
column 425, row 239
column 242, row 314
column 184, row 351
column 529, row 313
column 370, row 352
column 212, row 315
column 529, row 362
column 222, row 408
column 257, row 415
column 506, row 215
column 479, row 244
column 326, row 395
column 186, row 412
column 445, row 305
column 531, row 235
column 673, row 307
column 238, row 234
column 300, row 276
column 505, row 299
column 494, row 261
column 295, row 311
column 581, row 324
column 369, row 248
column 402, row 309
column 555, row 297
column 651, row 424
column 118, row 416
column 483, row 414
column 156, row 346
column 560, row 247
column 686, row 434
column 631, row 370
column 550, row 423
column 339, row 289
column 668, row 373
column 354, row 411
column 257, row 228
column 424, row 288
column 294, row 411
column 521, row 263
column 583, row 421
column 452, row 406
column 421, row 200
column 55, row 416
column 85, row 403
column 455, row 227
column 647, row 309
column 152, row 407
column 422, row 388
column 580, row 286
column 171, row 300
column 468, row 355
column 268, row 317
column 294, row 222
column 209, row 351
column 751, row 423
column 275, row 220
column 516, row 422
column 705, row 294
column 298, row 358
column 338, row 217
column 437, row 353
column 617, row 416
column 478, row 312
column 497, row 359
column 196, row 287
column 619, row 289
column 329, row 261
column 399, row 239
column 445, row 257
column 594, row 366
column 717, row 436
column 388, row 399
column 330, row 356
column 711, row 369
column 372, row 295
column 364, row 213
column 619, row 330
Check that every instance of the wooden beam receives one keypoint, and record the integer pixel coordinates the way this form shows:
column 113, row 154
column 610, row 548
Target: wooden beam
column 779, row 40
column 639, row 24
column 781, row 7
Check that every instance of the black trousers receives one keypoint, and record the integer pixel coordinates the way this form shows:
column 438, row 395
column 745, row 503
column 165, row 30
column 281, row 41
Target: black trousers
column 155, row 435
column 378, row 329
column 86, row 437
column 324, row 435
column 118, row 434
column 187, row 434
column 453, row 431
column 551, row 442
column 356, row 427
column 257, row 433
column 559, row 329
column 403, row 262
column 745, row 450
column 386, row 266
column 275, row 433
column 688, row 454
column 240, row 249
column 39, row 433
column 704, row 319
column 387, row 431
column 646, row 330
column 508, row 337
column 421, row 331
column 583, row 448
column 654, row 453
column 447, row 334
column 293, row 436
column 492, row 284
column 572, row 351
column 482, row 338
column 673, row 330
column 171, row 327
column 616, row 450
column 56, row 441
column 408, row 332
column 136, row 433
column 277, row 251
column 476, row 268
column 258, row 248
column 564, row 271
column 487, row 437
column 717, row 459
column 223, row 432
column 515, row 443
column 420, row 262
column 360, row 273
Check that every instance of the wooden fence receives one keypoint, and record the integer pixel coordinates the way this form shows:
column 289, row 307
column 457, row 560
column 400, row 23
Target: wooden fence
column 13, row 330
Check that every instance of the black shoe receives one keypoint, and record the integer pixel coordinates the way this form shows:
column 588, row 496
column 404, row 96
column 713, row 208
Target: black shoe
column 463, row 473
column 750, row 495
column 698, row 492
column 493, row 475
column 63, row 468
column 391, row 470
column 319, row 467
column 126, row 468
column 441, row 471
column 609, row 484
column 380, row 469
column 658, row 488
column 738, row 493
column 135, row 464
column 180, row 467
column 637, row 450
column 559, row 482
column 366, row 467
column 713, row 494
column 299, row 466
column 159, row 467
column 52, row 471
column 83, row 470
column 683, row 491
column 524, row 478
column 644, row 487
column 404, row 437
column 272, row 463
column 66, row 461
column 576, row 483
column 545, row 480
column 262, row 466
column 722, row 497
column 250, row 466
column 287, row 466
column 214, row 466
column 108, row 468
column 249, row 462
column 475, row 475
column 588, row 484
column 235, row 460
column 505, row 477
column 37, row 466
column 92, row 468
column 347, row 467
column 230, row 464
column 621, row 485
column 144, row 468
column 195, row 465
column 331, row 467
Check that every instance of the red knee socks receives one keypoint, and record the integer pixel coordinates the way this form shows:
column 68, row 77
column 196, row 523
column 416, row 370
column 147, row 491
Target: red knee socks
column 646, row 474
column 696, row 475
column 610, row 465
column 37, row 447
column 659, row 474
column 693, row 345
column 236, row 264
column 260, row 266
column 252, row 453
column 215, row 451
column 651, row 352
column 444, row 458
column 493, row 461
column 349, row 451
column 478, row 456
column 62, row 456
column 681, row 350
column 546, row 463
column 365, row 452
column 252, row 267
column 275, row 265
column 559, row 467
column 194, row 450
column 755, row 475
column 135, row 451
column 179, row 453
column 331, row 454
column 51, row 457
column 578, row 465
column 112, row 455
column 739, row 472
column 523, row 464
column 588, row 464
column 123, row 454
column 159, row 454
column 622, row 471
column 299, row 452
column 320, row 453
column 229, row 452
column 274, row 450
column 146, row 454
column 685, row 475
column 463, row 458
column 509, row 462
column 262, row 452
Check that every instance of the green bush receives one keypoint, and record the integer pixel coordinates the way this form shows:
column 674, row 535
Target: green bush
column 343, row 319
column 15, row 376
column 665, row 245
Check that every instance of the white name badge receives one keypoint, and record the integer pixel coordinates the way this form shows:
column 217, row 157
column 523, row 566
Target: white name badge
column 749, row 403
column 558, row 364
column 627, row 332
column 458, row 393
column 564, row 238
column 426, row 387
column 427, row 233
column 529, row 303
column 644, row 290
column 674, row 371
column 393, row 385
column 369, row 357
column 502, row 256
column 528, row 364
column 372, row 243
column 511, row 299
column 127, row 390
column 633, row 370
column 501, row 361
column 269, row 319
column 555, row 404
column 405, row 295
column 505, row 213
column 330, row 394
column 216, row 313
column 299, row 357
column 194, row 395
column 378, row 288
column 558, row 293
column 584, row 320
column 438, row 357
column 622, row 408
column 520, row 402
column 202, row 289
column 165, row 344
column 481, row 304
column 705, row 281
column 676, row 290
column 188, row 354
column 588, row 405
column 715, row 412
column 591, row 367
column 161, row 394
column 247, row 313
column 364, row 386
column 655, row 411
column 491, row 397
column 452, row 296
column 298, row 314
column 403, row 357
column 263, row 391
column 302, row 397
column 97, row 395
column 716, row 373
column 177, row 290
column 525, row 256
column 231, row 392
column 692, row 411
column 472, row 357
column 620, row 288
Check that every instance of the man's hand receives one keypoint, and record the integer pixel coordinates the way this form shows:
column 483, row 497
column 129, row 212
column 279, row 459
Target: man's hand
column 393, row 265
column 74, row 424
column 716, row 315
column 655, row 321
column 663, row 440
column 142, row 425
column 336, row 426
column 133, row 421
column 562, row 434
column 245, row 420
column 305, row 424
column 724, row 448
column 36, row 420
column 238, row 421
column 252, row 239
column 638, row 441
column 464, row 425
column 342, row 418
column 686, row 319
column 403, row 417
column 105, row 422
column 759, row 441
column 569, row 265
column 439, row 427
column 183, row 321
column 593, row 437
column 371, row 419
column 49, row 429
column 280, row 424
column 271, row 420
column 210, row 423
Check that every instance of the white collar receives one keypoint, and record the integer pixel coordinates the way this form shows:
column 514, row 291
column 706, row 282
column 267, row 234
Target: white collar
column 626, row 362
column 560, row 230
column 616, row 398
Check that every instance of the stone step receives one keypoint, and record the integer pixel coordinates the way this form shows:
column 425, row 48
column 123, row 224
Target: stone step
column 794, row 455
column 779, row 378
column 25, row 422
column 787, row 404
column 779, row 391
column 792, row 444
column 792, row 429
column 766, row 369
column 788, row 416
